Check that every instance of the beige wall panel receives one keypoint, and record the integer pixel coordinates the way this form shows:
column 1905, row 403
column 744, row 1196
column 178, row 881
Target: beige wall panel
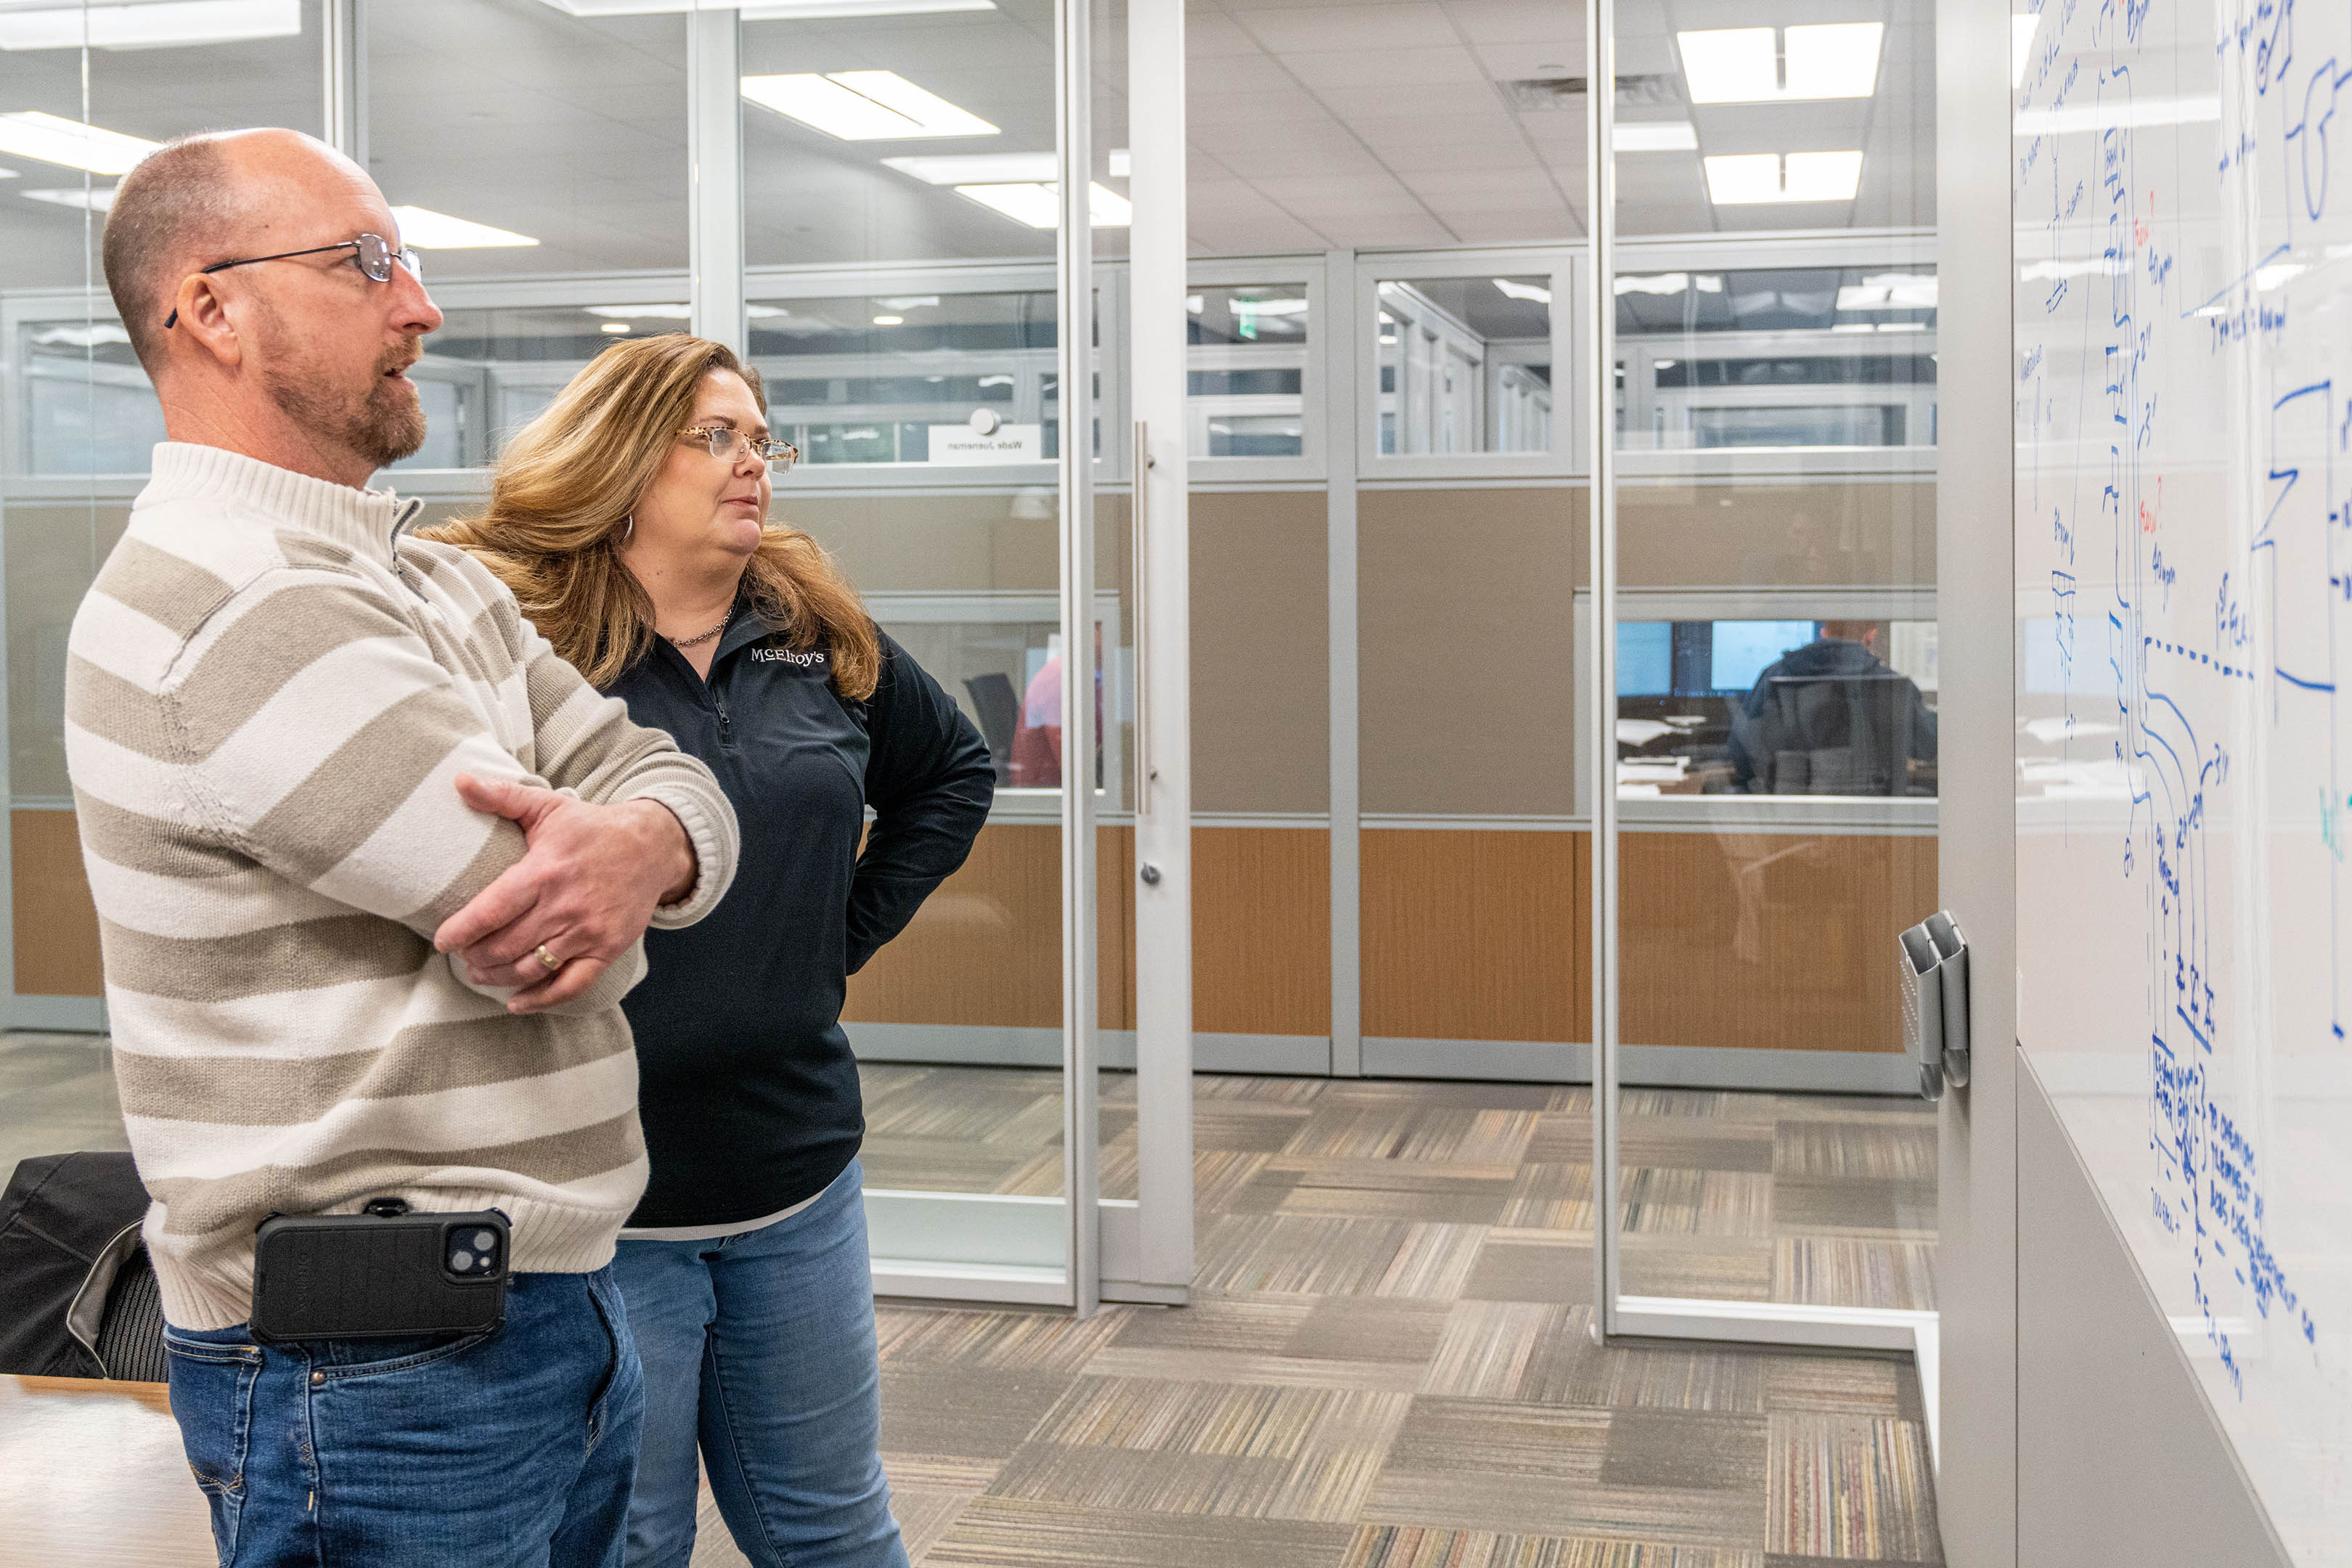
column 1768, row 940
column 1756, row 534
column 1466, row 671
column 1474, row 935
column 53, row 552
column 56, row 925
column 1261, row 660
column 1262, row 930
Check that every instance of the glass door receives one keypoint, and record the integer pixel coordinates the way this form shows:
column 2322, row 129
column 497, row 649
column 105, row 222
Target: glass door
column 1763, row 738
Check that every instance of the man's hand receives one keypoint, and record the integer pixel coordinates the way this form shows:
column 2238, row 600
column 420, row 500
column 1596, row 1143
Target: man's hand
column 583, row 891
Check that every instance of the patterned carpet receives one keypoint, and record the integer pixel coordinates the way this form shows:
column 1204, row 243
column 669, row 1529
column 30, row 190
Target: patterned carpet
column 1388, row 1360
column 1387, row 1363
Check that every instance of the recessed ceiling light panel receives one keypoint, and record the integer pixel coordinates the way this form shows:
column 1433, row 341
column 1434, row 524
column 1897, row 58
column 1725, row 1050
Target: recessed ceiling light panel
column 97, row 199
column 1669, row 136
column 1038, row 204
column 1785, row 65
column 1748, row 179
column 156, row 24
column 863, row 106
column 429, row 230
column 29, row 133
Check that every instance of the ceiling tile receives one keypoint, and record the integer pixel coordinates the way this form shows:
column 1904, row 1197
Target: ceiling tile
column 1398, row 229
column 1305, row 192
column 1518, row 186
column 1413, row 68
column 1435, row 101
column 1237, row 73
column 1523, row 21
column 1440, row 157
column 1531, row 224
column 1300, row 28
column 1291, row 107
column 1213, row 36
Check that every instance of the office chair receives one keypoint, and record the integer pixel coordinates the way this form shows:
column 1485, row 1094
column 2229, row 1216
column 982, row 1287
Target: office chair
column 1832, row 734
column 998, row 707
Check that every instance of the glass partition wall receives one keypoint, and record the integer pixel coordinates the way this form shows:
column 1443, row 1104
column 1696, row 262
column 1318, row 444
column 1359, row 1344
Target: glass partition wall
column 904, row 291
column 1762, row 771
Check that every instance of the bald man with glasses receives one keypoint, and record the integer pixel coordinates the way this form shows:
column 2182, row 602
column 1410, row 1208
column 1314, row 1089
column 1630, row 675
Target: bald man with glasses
column 326, row 775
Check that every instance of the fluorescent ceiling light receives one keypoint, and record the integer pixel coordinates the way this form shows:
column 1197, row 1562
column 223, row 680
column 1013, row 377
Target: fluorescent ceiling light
column 29, row 133
column 1764, row 65
column 863, row 106
column 889, row 320
column 1194, row 304
column 1038, row 205
column 2125, row 114
column 153, row 25
column 97, row 199
column 673, row 312
column 429, row 230
column 995, row 168
column 1748, row 179
column 1890, row 291
column 1529, row 291
column 94, row 334
column 1667, row 282
column 2278, row 272
column 2020, row 46
column 775, row 11
column 907, row 301
column 2073, row 266
column 614, row 327
column 1672, row 136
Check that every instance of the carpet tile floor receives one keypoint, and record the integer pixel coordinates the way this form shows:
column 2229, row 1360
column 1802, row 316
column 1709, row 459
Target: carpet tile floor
column 1386, row 1361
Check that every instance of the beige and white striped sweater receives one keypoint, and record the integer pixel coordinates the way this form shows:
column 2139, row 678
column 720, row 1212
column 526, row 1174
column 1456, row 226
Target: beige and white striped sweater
column 268, row 693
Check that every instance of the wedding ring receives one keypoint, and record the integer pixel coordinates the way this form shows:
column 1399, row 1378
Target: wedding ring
column 547, row 960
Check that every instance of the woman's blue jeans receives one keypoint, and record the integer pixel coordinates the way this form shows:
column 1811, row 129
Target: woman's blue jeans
column 759, row 1350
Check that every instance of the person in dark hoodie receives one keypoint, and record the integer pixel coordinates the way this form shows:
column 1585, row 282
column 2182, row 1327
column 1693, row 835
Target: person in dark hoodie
column 631, row 518
column 1833, row 718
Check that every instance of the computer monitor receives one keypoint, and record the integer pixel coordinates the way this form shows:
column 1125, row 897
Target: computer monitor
column 1744, row 649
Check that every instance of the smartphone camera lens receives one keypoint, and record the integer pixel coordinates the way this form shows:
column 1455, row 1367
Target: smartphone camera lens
column 485, row 1241
column 460, row 1261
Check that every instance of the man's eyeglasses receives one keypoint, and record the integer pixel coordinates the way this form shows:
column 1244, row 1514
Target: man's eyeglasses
column 374, row 256
column 726, row 443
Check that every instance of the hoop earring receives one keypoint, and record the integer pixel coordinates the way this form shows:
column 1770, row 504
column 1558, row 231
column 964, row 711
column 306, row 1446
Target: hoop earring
column 628, row 527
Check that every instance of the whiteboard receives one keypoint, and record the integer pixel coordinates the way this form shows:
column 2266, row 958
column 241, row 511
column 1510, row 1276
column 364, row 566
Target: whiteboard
column 2182, row 186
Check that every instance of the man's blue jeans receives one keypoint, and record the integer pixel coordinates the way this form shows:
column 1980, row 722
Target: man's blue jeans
column 507, row 1449
column 759, row 1348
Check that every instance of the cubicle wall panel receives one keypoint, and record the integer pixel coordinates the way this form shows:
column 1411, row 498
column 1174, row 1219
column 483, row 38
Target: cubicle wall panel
column 55, row 923
column 1261, row 697
column 53, row 549
column 1466, row 664
column 1476, row 935
column 1776, row 531
column 1767, row 941
column 1262, row 930
column 962, row 961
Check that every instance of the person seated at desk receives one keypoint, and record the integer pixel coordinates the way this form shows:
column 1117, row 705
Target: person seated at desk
column 1833, row 718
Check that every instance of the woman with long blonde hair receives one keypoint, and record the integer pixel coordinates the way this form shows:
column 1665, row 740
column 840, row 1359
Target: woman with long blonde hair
column 631, row 522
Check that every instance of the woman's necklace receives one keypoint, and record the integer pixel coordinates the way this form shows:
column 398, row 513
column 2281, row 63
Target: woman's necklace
column 705, row 637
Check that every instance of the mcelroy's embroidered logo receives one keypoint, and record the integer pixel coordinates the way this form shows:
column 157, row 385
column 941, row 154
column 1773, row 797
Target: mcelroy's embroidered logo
column 814, row 658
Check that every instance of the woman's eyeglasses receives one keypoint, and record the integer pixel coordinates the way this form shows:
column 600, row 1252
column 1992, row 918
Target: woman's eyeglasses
column 726, row 443
column 372, row 252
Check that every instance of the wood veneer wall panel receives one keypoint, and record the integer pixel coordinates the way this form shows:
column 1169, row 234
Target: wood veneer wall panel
column 55, row 923
column 1473, row 935
column 986, row 948
column 1262, row 930
column 1770, row 940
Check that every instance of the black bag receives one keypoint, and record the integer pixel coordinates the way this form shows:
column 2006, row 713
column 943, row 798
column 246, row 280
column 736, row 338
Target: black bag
column 77, row 1296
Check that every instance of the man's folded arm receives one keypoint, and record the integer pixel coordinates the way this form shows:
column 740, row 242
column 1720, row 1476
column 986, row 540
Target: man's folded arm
column 336, row 767
column 588, row 744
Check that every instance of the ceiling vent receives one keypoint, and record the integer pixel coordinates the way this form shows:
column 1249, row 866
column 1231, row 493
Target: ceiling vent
column 1567, row 91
